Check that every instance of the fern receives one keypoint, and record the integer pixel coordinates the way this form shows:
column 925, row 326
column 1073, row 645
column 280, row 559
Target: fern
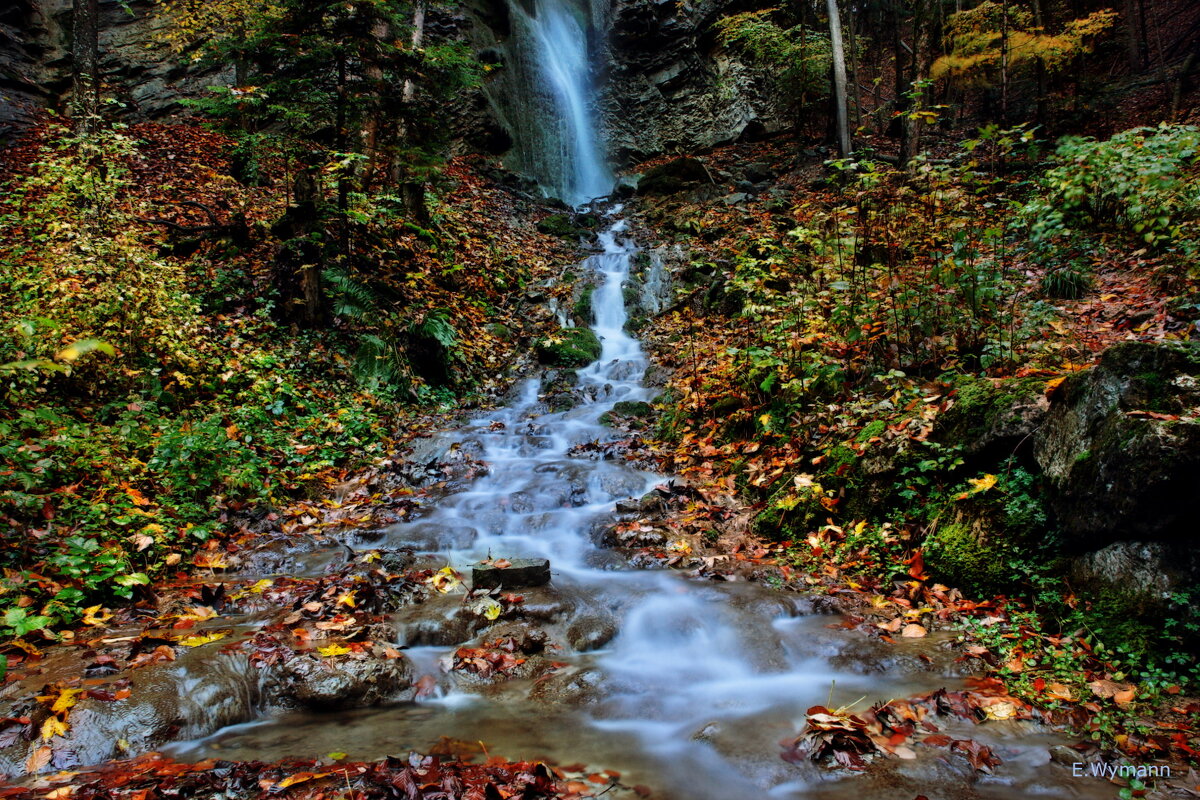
column 351, row 299
column 377, row 363
column 437, row 327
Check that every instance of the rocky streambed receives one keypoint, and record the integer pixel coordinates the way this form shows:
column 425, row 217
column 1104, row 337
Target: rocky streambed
column 372, row 642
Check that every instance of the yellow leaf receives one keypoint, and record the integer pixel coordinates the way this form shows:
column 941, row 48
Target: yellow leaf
column 202, row 638
column 346, row 600
column 53, row 727
column 262, row 586
column 979, row 485
column 491, row 609
column 92, row 615
column 329, row 651
column 65, row 700
column 444, row 580
column 982, row 484
column 299, row 777
column 1000, row 711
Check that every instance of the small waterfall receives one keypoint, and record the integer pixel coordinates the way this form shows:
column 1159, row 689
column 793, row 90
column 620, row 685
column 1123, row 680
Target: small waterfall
column 549, row 100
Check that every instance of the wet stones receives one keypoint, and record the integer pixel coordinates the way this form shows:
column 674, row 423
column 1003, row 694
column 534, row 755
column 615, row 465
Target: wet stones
column 511, row 574
column 321, row 683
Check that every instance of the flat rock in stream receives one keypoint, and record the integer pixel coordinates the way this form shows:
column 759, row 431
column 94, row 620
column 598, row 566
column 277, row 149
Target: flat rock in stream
column 519, row 572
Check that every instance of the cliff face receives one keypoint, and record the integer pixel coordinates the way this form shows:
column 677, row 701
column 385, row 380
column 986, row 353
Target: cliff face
column 670, row 88
column 663, row 83
column 137, row 66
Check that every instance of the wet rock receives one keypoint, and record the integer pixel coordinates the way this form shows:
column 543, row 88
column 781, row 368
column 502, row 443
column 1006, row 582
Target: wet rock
column 670, row 90
column 201, row 692
column 591, row 632
column 570, row 686
column 430, row 536
column 633, row 535
column 620, row 483
column 519, row 572
column 322, row 684
column 296, row 556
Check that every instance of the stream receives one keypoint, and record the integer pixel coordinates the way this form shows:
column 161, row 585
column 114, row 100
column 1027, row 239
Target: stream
column 684, row 685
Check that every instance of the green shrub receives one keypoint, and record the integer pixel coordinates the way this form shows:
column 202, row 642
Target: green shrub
column 1144, row 180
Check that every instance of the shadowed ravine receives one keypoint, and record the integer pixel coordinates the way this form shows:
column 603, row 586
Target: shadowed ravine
column 684, row 685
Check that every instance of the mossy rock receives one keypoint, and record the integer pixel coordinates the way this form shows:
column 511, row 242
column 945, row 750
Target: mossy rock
column 1120, row 447
column 789, row 515
column 570, row 347
column 558, row 225
column 584, row 313
column 500, row 331
column 633, row 408
column 963, row 554
column 993, row 419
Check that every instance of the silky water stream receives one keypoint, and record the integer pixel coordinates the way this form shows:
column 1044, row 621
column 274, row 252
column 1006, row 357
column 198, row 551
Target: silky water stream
column 683, row 684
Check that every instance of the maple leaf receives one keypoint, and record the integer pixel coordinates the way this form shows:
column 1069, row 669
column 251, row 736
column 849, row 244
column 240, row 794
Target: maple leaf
column 65, row 700
column 53, row 727
column 978, row 485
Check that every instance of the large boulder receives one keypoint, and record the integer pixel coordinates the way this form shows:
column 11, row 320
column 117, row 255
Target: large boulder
column 1121, row 447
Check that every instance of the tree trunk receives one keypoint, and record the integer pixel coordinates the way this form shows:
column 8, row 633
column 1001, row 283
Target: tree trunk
column 1132, row 40
column 412, row 188
column 910, row 141
column 85, row 62
column 418, row 35
column 839, row 77
column 1004, row 63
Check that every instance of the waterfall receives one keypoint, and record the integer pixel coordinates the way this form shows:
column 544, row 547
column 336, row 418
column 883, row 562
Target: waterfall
column 552, row 101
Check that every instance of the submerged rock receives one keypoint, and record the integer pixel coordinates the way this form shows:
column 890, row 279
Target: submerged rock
column 518, row 572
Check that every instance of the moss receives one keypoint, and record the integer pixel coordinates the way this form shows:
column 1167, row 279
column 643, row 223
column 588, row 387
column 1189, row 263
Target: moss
column 583, row 306
column 571, row 347
column 980, row 405
column 633, row 408
column 960, row 555
column 631, row 292
column 872, row 430
column 558, row 225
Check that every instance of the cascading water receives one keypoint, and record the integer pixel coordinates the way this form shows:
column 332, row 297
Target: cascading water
column 683, row 684
column 550, row 100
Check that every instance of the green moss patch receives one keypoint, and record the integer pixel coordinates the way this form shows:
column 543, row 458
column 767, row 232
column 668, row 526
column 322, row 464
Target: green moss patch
column 570, row 347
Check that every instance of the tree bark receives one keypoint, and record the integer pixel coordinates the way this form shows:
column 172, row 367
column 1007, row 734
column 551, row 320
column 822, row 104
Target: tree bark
column 839, row 77
column 85, row 62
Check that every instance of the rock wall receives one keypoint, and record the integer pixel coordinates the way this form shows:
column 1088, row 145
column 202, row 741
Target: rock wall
column 664, row 84
column 137, row 66
column 669, row 88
